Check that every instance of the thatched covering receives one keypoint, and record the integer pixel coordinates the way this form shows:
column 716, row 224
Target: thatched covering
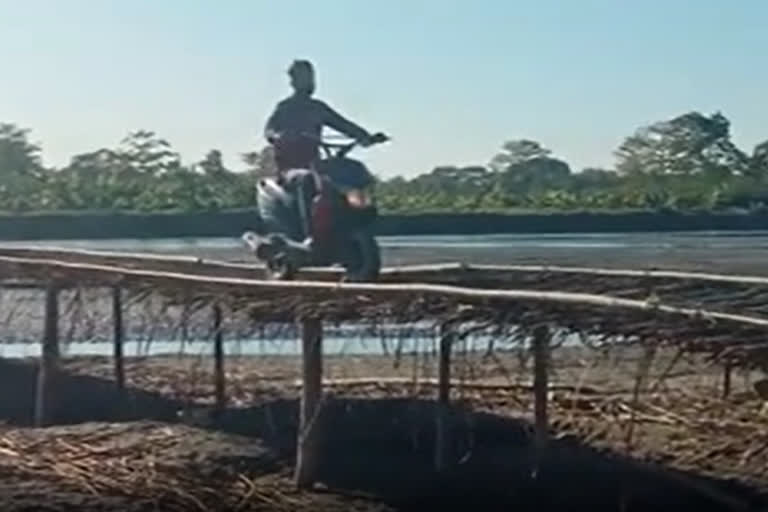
column 720, row 315
column 716, row 292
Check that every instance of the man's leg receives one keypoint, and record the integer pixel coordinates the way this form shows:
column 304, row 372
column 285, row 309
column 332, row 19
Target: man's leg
column 302, row 182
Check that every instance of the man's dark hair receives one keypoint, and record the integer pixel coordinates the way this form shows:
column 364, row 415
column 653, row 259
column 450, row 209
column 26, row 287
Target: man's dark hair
column 298, row 66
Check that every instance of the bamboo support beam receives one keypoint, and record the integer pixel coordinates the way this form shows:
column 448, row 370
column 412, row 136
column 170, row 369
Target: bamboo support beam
column 727, row 373
column 118, row 337
column 49, row 358
column 541, row 341
column 309, row 431
column 218, row 352
column 474, row 386
column 442, row 440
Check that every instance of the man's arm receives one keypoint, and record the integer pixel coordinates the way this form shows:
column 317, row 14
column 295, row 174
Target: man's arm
column 272, row 127
column 342, row 124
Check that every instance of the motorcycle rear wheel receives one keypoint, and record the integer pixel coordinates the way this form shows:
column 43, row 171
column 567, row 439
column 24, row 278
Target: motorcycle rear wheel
column 363, row 261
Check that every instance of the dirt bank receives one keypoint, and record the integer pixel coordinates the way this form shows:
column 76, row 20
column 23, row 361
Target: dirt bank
column 108, row 458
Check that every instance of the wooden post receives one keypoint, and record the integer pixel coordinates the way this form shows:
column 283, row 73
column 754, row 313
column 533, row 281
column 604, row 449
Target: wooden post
column 727, row 371
column 643, row 370
column 117, row 337
column 46, row 376
column 311, row 395
column 541, row 338
column 218, row 352
column 185, row 321
column 443, row 399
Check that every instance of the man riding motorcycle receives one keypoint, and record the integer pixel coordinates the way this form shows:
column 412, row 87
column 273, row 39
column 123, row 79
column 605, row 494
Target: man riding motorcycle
column 295, row 128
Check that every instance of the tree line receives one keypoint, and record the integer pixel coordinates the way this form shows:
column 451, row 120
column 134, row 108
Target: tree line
column 686, row 163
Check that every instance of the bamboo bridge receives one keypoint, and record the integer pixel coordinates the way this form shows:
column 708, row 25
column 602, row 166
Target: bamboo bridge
column 723, row 317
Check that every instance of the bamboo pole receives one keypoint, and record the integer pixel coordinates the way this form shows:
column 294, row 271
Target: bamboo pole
column 541, row 340
column 467, row 272
column 475, row 386
column 118, row 337
column 442, row 440
column 46, row 376
column 309, row 432
column 218, row 352
column 403, row 291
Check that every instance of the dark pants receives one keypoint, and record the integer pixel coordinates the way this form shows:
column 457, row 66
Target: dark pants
column 295, row 154
column 296, row 163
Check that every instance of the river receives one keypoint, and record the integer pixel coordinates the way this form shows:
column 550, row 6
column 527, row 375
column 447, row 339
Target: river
column 655, row 249
column 742, row 252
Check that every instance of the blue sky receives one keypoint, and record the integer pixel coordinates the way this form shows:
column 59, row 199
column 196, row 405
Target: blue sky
column 449, row 80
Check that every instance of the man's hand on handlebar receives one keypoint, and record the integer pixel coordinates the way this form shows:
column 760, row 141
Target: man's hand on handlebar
column 376, row 138
column 275, row 137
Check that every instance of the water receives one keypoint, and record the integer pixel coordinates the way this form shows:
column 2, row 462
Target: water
column 408, row 339
column 705, row 239
column 283, row 340
column 280, row 347
column 331, row 346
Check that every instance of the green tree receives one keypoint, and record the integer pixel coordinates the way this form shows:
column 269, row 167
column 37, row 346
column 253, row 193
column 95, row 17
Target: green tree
column 515, row 152
column 594, row 177
column 525, row 167
column 536, row 174
column 222, row 187
column 691, row 143
column 213, row 164
column 22, row 175
column 260, row 163
column 18, row 156
column 686, row 163
column 101, row 179
column 148, row 154
column 758, row 161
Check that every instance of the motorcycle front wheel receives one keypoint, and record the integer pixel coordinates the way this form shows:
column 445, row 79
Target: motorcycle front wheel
column 362, row 262
column 279, row 268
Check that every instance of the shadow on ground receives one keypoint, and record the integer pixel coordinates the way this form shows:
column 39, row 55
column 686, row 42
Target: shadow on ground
column 385, row 448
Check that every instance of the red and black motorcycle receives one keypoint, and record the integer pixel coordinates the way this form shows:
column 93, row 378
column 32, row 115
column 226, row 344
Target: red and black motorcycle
column 334, row 202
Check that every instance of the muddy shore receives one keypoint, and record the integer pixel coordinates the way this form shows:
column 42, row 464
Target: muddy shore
column 380, row 434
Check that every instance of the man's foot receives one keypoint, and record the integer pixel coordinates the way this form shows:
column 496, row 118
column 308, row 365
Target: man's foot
column 308, row 243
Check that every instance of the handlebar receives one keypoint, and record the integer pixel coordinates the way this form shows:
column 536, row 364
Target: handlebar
column 343, row 148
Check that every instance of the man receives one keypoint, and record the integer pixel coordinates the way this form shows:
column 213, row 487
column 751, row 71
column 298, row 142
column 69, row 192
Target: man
column 295, row 128
column 296, row 125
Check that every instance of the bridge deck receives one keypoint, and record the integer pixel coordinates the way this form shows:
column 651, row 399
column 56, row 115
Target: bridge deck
column 719, row 314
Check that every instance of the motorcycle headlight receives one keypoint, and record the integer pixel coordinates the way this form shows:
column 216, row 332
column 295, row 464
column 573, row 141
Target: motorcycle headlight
column 358, row 198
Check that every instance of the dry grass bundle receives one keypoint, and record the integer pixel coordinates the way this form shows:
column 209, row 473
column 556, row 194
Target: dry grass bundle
column 142, row 466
